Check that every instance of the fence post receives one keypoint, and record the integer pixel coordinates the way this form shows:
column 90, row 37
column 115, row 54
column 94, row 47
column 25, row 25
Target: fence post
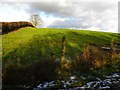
column 62, row 58
column 112, row 52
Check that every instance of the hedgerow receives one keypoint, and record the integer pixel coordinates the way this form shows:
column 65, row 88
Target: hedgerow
column 13, row 26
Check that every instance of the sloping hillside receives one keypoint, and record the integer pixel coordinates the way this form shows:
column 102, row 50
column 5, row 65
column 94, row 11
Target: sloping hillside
column 33, row 55
column 30, row 44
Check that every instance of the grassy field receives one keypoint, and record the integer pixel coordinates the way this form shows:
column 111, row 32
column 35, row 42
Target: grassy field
column 30, row 54
column 32, row 43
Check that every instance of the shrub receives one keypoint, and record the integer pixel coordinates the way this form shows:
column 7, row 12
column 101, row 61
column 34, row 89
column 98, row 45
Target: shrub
column 91, row 58
column 16, row 74
column 12, row 26
column 44, row 70
column 12, row 74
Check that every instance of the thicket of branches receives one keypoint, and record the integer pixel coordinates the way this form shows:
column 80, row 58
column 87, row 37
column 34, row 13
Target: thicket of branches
column 36, row 20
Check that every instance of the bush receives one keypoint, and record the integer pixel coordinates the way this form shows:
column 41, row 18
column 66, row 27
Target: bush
column 16, row 74
column 12, row 74
column 13, row 26
column 44, row 70
column 91, row 58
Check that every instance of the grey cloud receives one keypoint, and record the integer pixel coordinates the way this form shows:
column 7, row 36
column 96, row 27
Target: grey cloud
column 54, row 8
column 98, row 6
column 51, row 8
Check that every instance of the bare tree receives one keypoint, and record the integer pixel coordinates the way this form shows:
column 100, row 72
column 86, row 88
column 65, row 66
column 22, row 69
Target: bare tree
column 36, row 20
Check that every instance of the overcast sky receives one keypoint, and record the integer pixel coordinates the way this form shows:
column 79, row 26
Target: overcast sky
column 101, row 16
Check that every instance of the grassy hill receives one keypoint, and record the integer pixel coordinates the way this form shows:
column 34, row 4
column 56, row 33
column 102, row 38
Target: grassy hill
column 30, row 44
column 32, row 55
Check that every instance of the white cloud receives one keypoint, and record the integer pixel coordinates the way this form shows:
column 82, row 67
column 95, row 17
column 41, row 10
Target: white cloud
column 13, row 12
column 48, row 21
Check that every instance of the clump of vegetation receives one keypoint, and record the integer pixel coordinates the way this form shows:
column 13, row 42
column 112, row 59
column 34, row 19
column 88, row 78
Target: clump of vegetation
column 12, row 26
column 38, row 72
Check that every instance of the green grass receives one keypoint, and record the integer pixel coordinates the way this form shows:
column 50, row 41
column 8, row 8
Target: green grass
column 32, row 44
column 28, row 54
